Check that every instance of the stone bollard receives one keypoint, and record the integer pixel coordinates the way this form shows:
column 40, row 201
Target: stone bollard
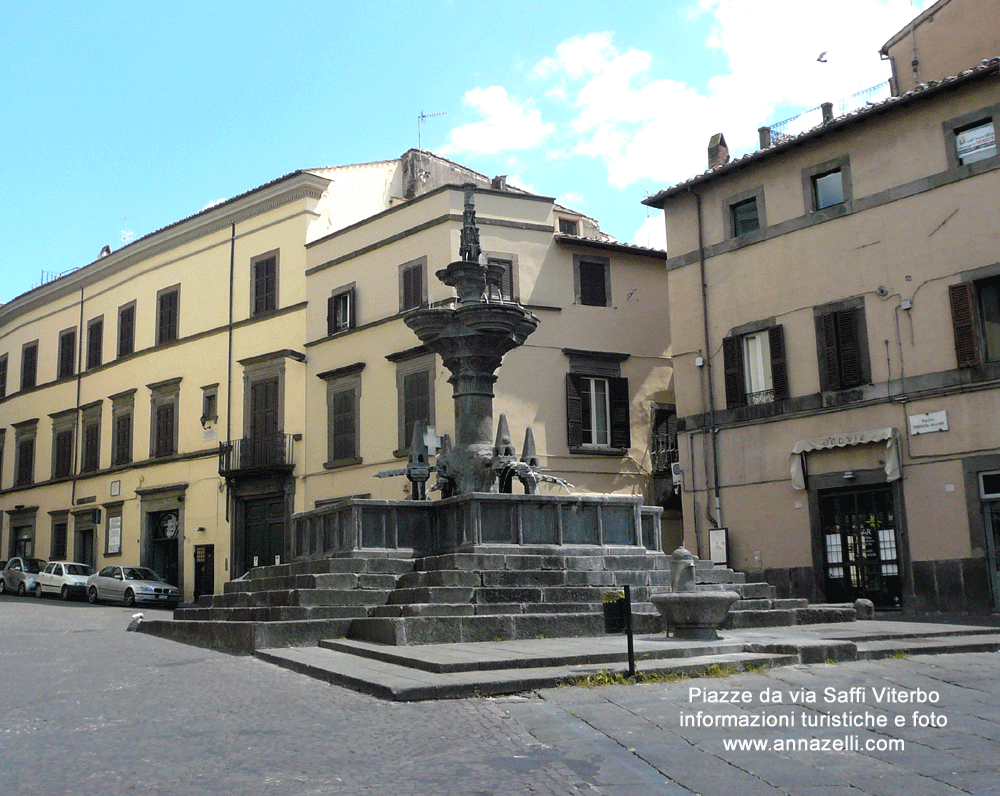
column 865, row 609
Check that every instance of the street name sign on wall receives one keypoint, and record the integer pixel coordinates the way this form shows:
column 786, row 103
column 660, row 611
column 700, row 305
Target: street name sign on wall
column 929, row 422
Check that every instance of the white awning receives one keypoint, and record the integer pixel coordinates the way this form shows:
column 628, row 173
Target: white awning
column 803, row 446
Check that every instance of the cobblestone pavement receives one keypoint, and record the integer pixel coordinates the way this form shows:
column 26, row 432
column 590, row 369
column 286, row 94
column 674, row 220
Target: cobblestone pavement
column 90, row 708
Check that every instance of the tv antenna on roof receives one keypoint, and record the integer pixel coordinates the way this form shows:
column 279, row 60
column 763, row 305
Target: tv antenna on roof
column 423, row 116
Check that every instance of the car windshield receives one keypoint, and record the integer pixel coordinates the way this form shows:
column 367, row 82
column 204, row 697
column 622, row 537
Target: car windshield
column 78, row 569
column 33, row 565
column 140, row 573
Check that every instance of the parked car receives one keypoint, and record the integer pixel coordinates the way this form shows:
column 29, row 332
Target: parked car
column 65, row 578
column 131, row 585
column 20, row 575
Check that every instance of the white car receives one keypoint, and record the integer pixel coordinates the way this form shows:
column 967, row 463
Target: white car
column 65, row 578
column 131, row 585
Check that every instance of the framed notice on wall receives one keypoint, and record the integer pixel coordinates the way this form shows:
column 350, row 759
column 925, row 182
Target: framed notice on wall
column 114, row 535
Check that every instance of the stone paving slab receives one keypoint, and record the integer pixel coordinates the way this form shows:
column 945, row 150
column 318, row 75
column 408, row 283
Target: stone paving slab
column 408, row 684
column 441, row 671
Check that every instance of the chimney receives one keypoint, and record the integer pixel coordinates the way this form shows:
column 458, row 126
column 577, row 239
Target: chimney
column 718, row 152
column 765, row 137
column 499, row 183
column 827, row 109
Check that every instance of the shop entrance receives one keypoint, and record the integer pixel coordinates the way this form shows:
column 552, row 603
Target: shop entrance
column 204, row 570
column 860, row 550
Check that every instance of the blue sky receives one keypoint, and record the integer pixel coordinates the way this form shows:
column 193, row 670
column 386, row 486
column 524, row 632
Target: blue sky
column 122, row 117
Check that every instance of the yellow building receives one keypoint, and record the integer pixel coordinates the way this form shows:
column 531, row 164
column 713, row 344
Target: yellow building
column 160, row 405
column 836, row 333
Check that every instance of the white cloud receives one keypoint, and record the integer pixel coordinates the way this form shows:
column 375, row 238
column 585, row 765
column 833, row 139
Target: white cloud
column 653, row 233
column 508, row 124
column 572, row 199
column 640, row 125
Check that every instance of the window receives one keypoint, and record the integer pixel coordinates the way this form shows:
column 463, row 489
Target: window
column 209, row 404
column 167, row 312
column 24, row 452
column 63, row 436
column 597, row 409
column 91, row 454
column 975, row 142
column 569, row 226
column 975, row 314
column 340, row 310
column 842, row 346
column 828, row 189
column 412, row 289
column 592, row 280
column 827, row 184
column 414, row 393
column 122, row 406
column 67, row 354
column 29, row 365
column 745, row 217
column 506, row 277
column 95, row 342
column 126, row 330
column 265, row 283
column 754, row 367
column 163, row 417
column 343, row 403
column 3, row 376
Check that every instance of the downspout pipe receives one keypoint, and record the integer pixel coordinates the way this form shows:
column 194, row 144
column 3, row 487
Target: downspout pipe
column 712, row 429
column 78, row 434
column 229, row 383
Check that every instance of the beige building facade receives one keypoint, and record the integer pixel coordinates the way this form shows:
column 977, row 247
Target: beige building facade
column 835, row 307
column 161, row 406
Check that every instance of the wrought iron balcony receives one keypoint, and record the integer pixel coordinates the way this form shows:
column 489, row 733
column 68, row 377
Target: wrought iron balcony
column 758, row 398
column 663, row 451
column 265, row 452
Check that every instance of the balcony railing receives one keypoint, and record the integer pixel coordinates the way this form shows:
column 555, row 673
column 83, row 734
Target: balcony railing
column 256, row 453
column 663, row 451
column 761, row 397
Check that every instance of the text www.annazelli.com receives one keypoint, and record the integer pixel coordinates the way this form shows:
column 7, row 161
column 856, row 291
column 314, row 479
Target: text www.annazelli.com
column 846, row 743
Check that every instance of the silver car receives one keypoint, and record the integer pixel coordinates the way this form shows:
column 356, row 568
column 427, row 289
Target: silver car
column 65, row 578
column 20, row 575
column 131, row 585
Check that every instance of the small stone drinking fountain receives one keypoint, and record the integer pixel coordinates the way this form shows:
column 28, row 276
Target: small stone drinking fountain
column 690, row 614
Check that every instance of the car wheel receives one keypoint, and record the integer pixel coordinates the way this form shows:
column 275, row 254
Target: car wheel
column 92, row 595
column 38, row 590
column 3, row 586
column 64, row 593
column 129, row 598
column 20, row 590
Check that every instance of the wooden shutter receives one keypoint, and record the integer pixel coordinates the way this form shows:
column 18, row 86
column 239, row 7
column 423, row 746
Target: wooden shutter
column 574, row 411
column 265, row 289
column 343, row 425
column 91, row 447
column 621, row 432
column 164, row 430
column 126, row 331
column 331, row 315
column 732, row 366
column 167, row 329
column 963, row 318
column 95, row 344
column 849, row 349
column 779, row 367
column 67, row 348
column 25, row 461
column 123, row 439
column 830, row 364
column 29, row 367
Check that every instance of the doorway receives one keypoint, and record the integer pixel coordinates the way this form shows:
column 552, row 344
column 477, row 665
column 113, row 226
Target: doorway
column 860, row 549
column 264, row 521
column 164, row 530
column 204, row 570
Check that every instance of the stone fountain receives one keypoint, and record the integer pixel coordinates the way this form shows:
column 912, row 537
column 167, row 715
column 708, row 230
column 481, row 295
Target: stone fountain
column 691, row 615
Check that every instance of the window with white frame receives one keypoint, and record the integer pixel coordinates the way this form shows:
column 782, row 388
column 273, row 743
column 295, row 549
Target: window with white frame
column 340, row 309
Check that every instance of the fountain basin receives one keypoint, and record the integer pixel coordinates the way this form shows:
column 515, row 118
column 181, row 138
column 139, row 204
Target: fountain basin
column 694, row 615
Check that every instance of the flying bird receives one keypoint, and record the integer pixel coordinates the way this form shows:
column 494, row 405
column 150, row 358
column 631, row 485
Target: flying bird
column 822, row 57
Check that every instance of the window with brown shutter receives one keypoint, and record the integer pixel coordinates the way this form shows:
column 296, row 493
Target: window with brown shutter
column 963, row 318
column 123, row 438
column 91, row 459
column 164, row 445
column 25, row 469
column 843, row 355
column 67, row 353
column 63, row 465
column 29, row 365
column 126, row 330
column 95, row 342
column 754, row 367
column 597, row 412
column 3, row 376
column 265, row 284
column 340, row 310
column 167, row 311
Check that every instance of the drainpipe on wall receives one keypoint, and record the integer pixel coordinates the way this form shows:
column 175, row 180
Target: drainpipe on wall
column 229, row 361
column 712, row 430
column 78, row 435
